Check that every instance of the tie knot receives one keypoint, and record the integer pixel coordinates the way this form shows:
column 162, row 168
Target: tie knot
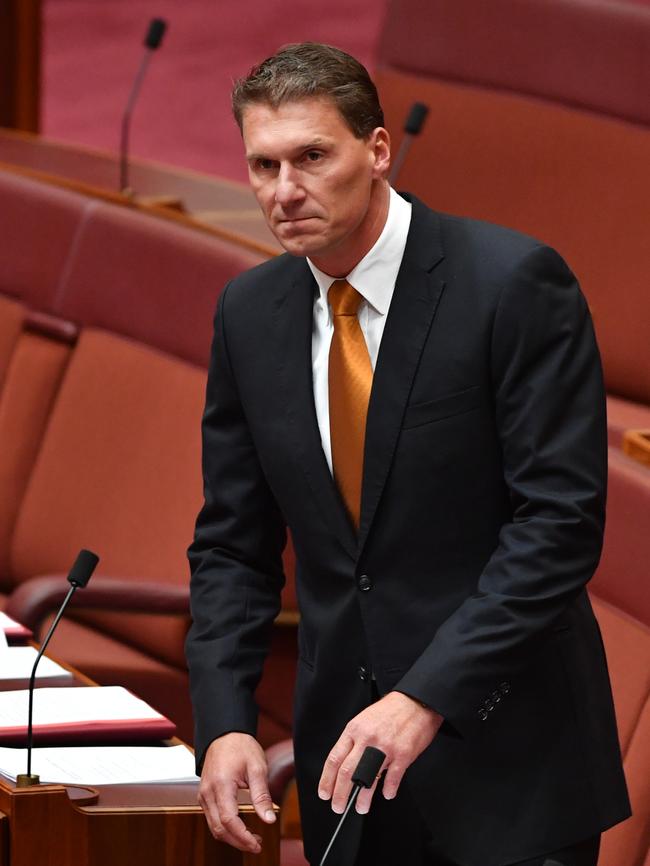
column 343, row 298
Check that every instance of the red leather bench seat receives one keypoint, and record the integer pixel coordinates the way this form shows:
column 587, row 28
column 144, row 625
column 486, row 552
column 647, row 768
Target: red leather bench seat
column 119, row 468
column 38, row 228
column 526, row 129
column 31, row 384
column 149, row 279
column 624, row 415
column 100, row 435
column 12, row 315
column 576, row 180
column 589, row 54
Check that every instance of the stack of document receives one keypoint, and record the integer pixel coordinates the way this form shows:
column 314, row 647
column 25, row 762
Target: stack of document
column 103, row 765
column 102, row 713
column 16, row 664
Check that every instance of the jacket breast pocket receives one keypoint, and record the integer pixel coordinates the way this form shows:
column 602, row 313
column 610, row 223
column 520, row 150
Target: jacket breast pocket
column 447, row 406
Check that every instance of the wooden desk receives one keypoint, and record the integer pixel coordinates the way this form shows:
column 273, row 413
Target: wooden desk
column 129, row 825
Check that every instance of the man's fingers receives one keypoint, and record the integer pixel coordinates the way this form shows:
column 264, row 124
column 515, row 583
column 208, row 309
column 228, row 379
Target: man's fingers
column 244, row 841
column 343, row 784
column 234, row 831
column 333, row 762
column 365, row 798
column 394, row 776
column 260, row 796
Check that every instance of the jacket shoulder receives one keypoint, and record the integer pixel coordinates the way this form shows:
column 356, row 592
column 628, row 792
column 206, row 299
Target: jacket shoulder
column 271, row 275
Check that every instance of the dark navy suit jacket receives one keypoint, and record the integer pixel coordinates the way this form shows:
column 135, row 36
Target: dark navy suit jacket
column 481, row 522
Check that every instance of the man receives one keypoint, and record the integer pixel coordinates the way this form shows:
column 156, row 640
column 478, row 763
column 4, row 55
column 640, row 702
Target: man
column 419, row 399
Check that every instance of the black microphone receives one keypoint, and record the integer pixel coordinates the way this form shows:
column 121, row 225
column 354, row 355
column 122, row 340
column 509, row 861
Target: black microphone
column 155, row 33
column 363, row 777
column 79, row 575
column 152, row 40
column 412, row 127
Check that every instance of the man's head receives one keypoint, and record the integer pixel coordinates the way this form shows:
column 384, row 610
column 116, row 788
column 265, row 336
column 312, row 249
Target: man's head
column 309, row 70
column 317, row 152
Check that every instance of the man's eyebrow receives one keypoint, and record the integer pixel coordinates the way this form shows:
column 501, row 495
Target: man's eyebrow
column 299, row 148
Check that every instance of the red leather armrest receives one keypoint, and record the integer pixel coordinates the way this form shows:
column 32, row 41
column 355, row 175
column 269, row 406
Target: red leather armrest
column 33, row 600
column 281, row 768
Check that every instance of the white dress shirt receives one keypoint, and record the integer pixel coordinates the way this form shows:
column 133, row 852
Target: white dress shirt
column 374, row 278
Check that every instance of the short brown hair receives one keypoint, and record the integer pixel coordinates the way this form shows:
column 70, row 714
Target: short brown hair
column 311, row 69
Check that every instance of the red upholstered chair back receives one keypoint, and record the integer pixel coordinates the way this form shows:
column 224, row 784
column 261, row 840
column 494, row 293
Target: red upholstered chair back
column 38, row 226
column 540, row 116
column 118, row 471
column 150, row 280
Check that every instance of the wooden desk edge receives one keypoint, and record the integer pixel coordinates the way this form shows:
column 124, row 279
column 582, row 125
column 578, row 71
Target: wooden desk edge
column 117, row 198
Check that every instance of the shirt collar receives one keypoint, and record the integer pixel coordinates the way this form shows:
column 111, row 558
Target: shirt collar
column 375, row 275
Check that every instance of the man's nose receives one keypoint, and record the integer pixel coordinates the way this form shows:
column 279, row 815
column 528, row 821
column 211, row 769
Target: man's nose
column 288, row 189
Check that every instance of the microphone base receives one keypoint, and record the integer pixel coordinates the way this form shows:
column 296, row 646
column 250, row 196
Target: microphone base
column 27, row 780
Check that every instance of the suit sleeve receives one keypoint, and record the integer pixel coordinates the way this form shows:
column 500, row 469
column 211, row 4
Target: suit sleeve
column 550, row 415
column 235, row 561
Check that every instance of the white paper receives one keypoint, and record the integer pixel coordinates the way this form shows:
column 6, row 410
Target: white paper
column 58, row 706
column 3, row 641
column 16, row 663
column 103, row 765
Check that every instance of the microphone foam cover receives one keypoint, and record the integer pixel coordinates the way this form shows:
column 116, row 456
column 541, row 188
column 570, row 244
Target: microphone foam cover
column 83, row 567
column 368, row 767
column 155, row 33
column 416, row 118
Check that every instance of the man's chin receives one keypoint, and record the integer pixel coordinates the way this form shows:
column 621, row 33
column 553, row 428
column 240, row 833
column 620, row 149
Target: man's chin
column 299, row 243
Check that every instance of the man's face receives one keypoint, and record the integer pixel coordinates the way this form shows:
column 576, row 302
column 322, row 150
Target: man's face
column 320, row 188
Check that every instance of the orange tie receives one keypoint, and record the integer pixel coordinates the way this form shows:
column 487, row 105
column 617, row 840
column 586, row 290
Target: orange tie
column 350, row 380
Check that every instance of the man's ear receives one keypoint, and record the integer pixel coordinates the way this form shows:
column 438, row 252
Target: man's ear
column 380, row 140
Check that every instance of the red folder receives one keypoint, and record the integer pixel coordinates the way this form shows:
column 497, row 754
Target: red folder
column 101, row 730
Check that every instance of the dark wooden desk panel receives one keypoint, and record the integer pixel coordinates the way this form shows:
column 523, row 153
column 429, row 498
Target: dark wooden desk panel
column 20, row 63
column 133, row 825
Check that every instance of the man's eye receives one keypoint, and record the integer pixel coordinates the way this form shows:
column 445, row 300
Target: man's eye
column 264, row 164
column 313, row 155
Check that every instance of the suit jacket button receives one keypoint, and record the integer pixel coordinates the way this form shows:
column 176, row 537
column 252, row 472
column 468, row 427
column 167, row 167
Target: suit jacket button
column 505, row 688
column 482, row 714
column 363, row 673
column 488, row 704
column 496, row 696
column 365, row 583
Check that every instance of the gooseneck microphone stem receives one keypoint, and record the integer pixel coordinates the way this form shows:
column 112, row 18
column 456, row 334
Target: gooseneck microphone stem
column 126, row 119
column 30, row 727
column 412, row 128
column 351, row 802
column 152, row 40
column 79, row 575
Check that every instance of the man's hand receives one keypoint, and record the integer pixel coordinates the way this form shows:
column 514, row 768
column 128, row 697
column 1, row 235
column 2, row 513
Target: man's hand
column 231, row 762
column 398, row 725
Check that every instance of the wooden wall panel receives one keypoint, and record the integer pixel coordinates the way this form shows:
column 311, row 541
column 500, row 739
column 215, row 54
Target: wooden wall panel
column 20, row 63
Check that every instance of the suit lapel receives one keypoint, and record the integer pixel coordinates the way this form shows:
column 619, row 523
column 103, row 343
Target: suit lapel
column 293, row 316
column 413, row 306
